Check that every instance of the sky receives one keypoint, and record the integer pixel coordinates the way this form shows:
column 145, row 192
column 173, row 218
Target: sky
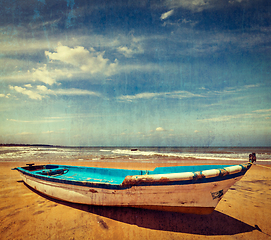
column 135, row 73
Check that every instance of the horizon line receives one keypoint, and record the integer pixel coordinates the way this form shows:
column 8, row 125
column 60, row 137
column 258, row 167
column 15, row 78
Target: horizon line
column 123, row 146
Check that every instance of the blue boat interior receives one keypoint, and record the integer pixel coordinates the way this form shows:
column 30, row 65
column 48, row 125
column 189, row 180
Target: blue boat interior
column 105, row 175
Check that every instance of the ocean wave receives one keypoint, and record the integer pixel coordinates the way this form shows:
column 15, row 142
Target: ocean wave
column 207, row 156
column 122, row 154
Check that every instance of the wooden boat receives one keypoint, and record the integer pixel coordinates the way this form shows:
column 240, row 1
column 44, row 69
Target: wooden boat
column 187, row 189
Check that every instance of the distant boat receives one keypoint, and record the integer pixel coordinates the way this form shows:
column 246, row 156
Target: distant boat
column 134, row 149
column 186, row 189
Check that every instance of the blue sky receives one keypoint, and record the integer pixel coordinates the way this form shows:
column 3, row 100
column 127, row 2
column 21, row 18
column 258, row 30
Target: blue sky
column 135, row 73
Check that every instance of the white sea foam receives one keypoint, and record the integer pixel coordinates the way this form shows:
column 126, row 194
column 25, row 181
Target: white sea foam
column 207, row 156
column 32, row 152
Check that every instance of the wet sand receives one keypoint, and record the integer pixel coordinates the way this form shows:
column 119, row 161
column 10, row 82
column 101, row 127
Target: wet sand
column 243, row 213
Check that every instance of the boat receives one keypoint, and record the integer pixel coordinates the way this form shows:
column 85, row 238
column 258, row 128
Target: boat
column 193, row 189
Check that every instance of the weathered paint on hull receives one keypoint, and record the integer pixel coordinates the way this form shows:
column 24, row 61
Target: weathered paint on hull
column 198, row 198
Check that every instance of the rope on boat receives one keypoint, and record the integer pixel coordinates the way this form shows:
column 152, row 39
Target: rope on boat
column 55, row 172
column 61, row 172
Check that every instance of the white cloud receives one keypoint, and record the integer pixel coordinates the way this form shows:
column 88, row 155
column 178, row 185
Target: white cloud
column 262, row 110
column 71, row 91
column 48, row 132
column 24, row 133
column 200, row 5
column 166, row 14
column 139, row 96
column 148, row 95
column 75, row 91
column 42, row 91
column 35, row 121
column 14, row 46
column 134, row 48
column 29, row 93
column 264, row 113
column 194, row 5
column 43, row 75
column 225, row 118
column 88, row 61
column 159, row 129
column 42, row 88
column 127, row 52
column 4, row 95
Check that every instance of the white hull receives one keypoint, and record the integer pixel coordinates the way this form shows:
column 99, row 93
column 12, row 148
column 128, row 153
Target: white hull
column 199, row 198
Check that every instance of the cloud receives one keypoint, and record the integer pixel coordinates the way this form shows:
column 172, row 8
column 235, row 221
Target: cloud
column 159, row 129
column 4, row 95
column 194, row 5
column 225, row 118
column 88, row 61
column 48, row 132
column 133, row 48
column 148, row 67
column 42, row 88
column 42, row 91
column 262, row 113
column 127, row 52
column 166, row 15
column 70, row 92
column 43, row 75
column 148, row 95
column 35, row 121
column 29, row 93
column 139, row 96
column 201, row 5
column 75, row 91
column 24, row 133
column 21, row 45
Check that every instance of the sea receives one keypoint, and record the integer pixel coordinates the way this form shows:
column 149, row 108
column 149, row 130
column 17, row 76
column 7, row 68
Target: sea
column 176, row 155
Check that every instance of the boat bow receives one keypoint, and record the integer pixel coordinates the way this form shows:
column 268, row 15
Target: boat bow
column 185, row 176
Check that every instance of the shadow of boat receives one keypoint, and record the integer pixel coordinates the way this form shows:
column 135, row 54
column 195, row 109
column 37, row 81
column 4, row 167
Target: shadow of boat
column 216, row 223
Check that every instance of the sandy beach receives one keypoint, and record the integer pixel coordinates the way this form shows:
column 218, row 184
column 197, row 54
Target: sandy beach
column 243, row 213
